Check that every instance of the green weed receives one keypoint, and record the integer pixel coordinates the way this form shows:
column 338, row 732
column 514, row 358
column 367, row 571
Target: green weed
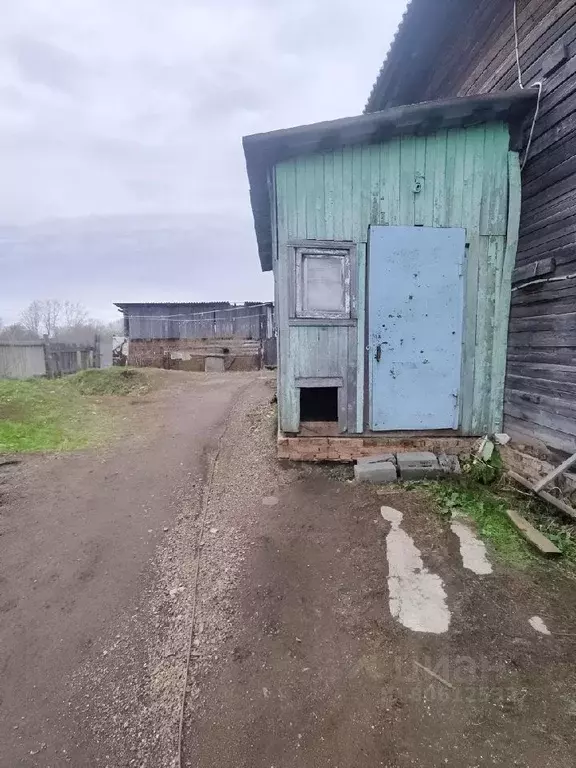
column 62, row 414
column 487, row 506
column 487, row 511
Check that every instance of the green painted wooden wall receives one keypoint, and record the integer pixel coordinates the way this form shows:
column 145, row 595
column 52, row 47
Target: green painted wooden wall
column 468, row 178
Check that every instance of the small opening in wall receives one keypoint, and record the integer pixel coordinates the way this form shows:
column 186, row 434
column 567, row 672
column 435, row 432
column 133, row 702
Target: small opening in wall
column 319, row 404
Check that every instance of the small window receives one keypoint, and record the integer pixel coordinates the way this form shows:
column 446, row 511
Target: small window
column 322, row 283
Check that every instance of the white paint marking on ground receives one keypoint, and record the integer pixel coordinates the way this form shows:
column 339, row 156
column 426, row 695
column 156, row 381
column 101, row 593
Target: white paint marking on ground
column 472, row 549
column 417, row 597
column 537, row 624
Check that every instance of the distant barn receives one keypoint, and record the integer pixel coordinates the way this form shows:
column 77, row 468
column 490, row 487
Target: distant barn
column 200, row 335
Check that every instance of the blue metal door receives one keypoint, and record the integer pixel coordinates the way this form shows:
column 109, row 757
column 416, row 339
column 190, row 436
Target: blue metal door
column 415, row 326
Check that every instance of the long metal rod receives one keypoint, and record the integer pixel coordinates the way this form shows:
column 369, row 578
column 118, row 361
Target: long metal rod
column 555, row 472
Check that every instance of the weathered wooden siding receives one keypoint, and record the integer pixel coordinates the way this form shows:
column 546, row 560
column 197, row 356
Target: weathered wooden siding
column 475, row 53
column 199, row 321
column 464, row 176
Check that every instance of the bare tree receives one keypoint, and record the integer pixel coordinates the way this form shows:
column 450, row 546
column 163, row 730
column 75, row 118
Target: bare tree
column 51, row 316
column 31, row 318
column 17, row 332
column 74, row 315
column 65, row 320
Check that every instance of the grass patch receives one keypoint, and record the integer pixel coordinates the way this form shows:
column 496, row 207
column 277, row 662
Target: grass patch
column 62, row 414
column 487, row 505
column 111, row 381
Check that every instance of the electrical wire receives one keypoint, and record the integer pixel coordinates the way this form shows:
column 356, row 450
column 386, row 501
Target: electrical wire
column 174, row 318
column 515, row 12
column 208, row 312
column 543, row 280
column 539, row 84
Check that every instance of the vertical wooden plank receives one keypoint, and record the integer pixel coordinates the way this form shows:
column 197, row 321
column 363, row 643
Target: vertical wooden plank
column 503, row 285
column 407, row 162
column 440, row 181
column 360, row 337
column 301, row 196
column 457, row 145
column 366, row 196
column 291, row 200
column 471, row 193
column 347, row 194
column 338, row 187
column 310, row 198
column 488, row 257
column 288, row 407
column 426, row 202
column 384, row 217
column 319, row 197
column 357, row 193
column 450, row 166
column 393, row 182
column 488, row 182
column 350, row 341
column 420, row 179
column 329, row 195
column 374, row 186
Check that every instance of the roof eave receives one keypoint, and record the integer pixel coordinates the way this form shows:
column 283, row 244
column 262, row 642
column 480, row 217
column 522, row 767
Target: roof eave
column 262, row 151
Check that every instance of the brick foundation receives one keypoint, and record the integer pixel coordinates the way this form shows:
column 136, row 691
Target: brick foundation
column 348, row 449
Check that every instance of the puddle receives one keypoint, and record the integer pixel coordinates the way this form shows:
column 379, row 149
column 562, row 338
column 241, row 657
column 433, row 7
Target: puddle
column 472, row 549
column 417, row 596
column 537, row 624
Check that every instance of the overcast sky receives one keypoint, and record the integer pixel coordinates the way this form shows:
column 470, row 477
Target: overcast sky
column 122, row 173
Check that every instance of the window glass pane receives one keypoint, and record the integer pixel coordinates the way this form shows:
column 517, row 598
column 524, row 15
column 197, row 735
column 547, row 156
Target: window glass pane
column 323, row 287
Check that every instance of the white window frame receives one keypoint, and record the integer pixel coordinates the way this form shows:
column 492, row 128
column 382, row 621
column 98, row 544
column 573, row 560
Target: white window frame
column 319, row 252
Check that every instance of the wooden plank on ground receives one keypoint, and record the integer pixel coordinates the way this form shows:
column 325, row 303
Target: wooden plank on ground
column 555, row 472
column 530, row 533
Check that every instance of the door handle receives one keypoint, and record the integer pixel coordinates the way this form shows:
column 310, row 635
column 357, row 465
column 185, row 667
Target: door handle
column 378, row 354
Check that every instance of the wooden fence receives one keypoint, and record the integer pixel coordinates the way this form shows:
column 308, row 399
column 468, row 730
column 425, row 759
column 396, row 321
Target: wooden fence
column 25, row 359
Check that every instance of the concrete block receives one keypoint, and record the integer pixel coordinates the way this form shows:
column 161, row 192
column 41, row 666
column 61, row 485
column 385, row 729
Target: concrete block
column 418, row 465
column 449, row 464
column 379, row 472
column 377, row 458
column 214, row 364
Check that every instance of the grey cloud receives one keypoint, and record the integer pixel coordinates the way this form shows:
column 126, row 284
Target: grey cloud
column 40, row 62
column 121, row 125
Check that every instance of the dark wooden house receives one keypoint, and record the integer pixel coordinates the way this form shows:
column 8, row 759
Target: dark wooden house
column 447, row 48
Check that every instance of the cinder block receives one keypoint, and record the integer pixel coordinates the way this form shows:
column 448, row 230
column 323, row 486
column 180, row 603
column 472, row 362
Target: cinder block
column 379, row 472
column 214, row 364
column 377, row 458
column 418, row 465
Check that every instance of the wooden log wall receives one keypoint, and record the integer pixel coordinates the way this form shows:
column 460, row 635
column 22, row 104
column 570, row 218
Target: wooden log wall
column 475, row 53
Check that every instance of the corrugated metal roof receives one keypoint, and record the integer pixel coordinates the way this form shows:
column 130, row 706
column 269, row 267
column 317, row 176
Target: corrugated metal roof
column 264, row 150
column 404, row 20
column 422, row 31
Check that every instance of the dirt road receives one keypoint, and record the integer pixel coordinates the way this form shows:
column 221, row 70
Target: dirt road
column 297, row 659
column 78, row 536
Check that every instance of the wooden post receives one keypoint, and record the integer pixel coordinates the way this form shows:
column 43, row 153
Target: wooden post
column 47, row 357
column 97, row 353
